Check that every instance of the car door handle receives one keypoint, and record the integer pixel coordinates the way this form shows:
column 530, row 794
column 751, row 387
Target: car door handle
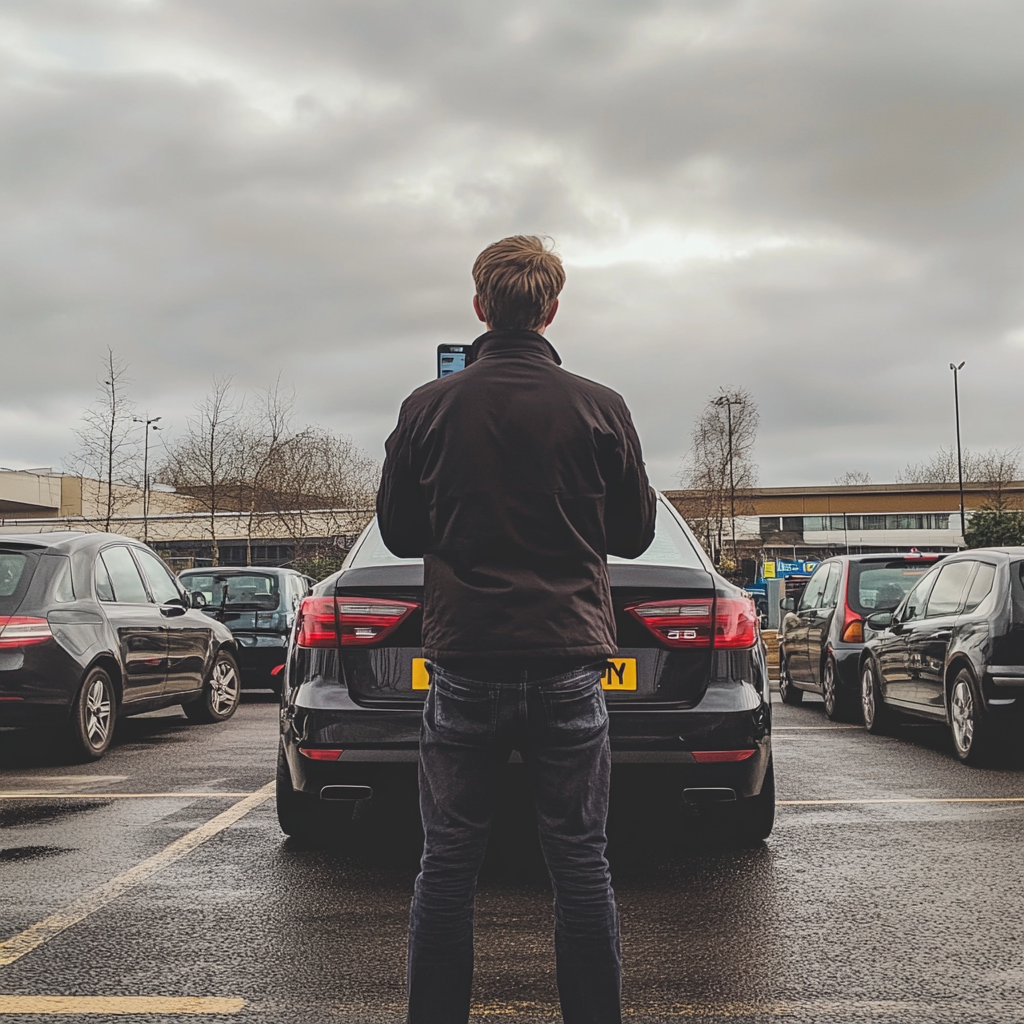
column 943, row 634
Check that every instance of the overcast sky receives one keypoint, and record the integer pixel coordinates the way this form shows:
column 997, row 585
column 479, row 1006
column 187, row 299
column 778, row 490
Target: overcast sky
column 819, row 200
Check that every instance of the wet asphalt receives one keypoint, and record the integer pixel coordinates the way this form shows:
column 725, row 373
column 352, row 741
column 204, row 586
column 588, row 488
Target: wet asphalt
column 901, row 902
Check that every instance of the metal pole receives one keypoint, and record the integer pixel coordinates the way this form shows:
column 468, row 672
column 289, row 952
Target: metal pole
column 959, row 455
column 147, row 425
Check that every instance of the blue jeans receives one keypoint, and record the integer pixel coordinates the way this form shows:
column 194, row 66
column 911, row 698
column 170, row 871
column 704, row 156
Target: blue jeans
column 560, row 728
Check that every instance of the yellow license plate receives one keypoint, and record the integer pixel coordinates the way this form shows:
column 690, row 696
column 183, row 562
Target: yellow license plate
column 620, row 674
column 420, row 675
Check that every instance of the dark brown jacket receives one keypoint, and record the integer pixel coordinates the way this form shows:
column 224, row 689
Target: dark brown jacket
column 513, row 479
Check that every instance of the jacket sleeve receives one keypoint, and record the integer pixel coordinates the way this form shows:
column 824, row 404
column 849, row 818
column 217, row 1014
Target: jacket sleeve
column 401, row 505
column 630, row 502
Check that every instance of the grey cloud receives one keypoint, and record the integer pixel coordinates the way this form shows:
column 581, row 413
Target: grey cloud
column 255, row 187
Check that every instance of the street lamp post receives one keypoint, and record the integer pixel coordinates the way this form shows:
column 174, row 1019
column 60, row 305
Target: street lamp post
column 959, row 456
column 149, row 424
column 728, row 401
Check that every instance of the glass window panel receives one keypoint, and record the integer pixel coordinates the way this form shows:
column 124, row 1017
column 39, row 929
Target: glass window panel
column 124, row 575
column 12, row 566
column 981, row 587
column 829, row 598
column 880, row 586
column 814, row 524
column 853, row 522
column 64, row 591
column 873, row 522
column 914, row 608
column 104, row 591
column 161, row 583
column 811, row 597
column 949, row 588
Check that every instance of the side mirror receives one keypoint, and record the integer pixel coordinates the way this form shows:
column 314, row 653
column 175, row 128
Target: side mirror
column 879, row 621
column 198, row 599
column 788, row 604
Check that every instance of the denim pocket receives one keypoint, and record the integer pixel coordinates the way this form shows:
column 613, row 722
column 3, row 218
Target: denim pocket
column 459, row 709
column 577, row 708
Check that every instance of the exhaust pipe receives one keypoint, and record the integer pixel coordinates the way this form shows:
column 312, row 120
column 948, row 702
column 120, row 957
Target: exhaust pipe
column 709, row 795
column 346, row 793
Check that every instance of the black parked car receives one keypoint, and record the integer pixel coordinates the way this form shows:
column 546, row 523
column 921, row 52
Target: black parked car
column 687, row 692
column 93, row 627
column 822, row 633
column 953, row 651
column 258, row 606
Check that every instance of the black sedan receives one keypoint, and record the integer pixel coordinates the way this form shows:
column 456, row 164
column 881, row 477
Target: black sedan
column 687, row 691
column 93, row 627
column 258, row 606
column 822, row 634
column 953, row 652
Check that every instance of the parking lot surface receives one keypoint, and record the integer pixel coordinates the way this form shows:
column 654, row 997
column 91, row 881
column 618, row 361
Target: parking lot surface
column 155, row 885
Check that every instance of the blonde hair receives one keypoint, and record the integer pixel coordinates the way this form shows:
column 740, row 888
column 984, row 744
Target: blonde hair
column 517, row 282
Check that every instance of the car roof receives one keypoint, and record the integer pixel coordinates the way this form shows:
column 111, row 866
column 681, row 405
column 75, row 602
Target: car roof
column 64, row 540
column 237, row 570
column 887, row 556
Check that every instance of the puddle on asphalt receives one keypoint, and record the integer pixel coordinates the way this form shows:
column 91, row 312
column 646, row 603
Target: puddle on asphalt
column 19, row 853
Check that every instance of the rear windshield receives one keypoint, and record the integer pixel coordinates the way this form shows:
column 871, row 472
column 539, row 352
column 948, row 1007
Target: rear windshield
column 671, row 546
column 880, row 586
column 250, row 592
column 16, row 569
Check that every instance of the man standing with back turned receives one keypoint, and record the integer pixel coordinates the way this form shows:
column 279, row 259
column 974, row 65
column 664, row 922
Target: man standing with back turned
column 513, row 479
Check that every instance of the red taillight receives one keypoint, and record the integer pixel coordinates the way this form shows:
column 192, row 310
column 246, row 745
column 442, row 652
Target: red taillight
column 712, row 756
column 320, row 753
column 853, row 624
column 686, row 622
column 20, row 631
column 349, row 621
column 277, row 668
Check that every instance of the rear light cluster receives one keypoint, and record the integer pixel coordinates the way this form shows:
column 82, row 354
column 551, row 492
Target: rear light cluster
column 321, row 753
column 853, row 624
column 21, row 631
column 349, row 621
column 687, row 622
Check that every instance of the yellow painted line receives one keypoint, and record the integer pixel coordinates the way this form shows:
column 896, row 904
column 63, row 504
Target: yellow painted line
column 115, row 796
column 118, row 1004
column 35, row 935
column 907, row 800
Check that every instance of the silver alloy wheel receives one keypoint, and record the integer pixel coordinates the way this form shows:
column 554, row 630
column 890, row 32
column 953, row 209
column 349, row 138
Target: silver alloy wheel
column 867, row 695
column 962, row 713
column 783, row 678
column 828, row 687
column 223, row 687
column 97, row 714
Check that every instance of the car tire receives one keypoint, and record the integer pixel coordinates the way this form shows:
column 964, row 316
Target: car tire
column 303, row 816
column 221, row 692
column 753, row 818
column 787, row 691
column 877, row 717
column 972, row 733
column 93, row 715
column 837, row 701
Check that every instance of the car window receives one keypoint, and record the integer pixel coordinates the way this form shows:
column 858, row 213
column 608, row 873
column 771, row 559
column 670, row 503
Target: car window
column 829, row 598
column 161, row 583
column 918, row 598
column 981, row 587
column 64, row 589
column 124, row 576
column 240, row 591
column 949, row 589
column 880, row 586
column 811, row 597
column 671, row 546
column 16, row 570
column 104, row 590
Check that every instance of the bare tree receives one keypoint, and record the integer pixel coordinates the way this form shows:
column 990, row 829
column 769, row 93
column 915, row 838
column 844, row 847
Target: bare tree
column 719, row 469
column 852, row 477
column 995, row 465
column 203, row 462
column 106, row 452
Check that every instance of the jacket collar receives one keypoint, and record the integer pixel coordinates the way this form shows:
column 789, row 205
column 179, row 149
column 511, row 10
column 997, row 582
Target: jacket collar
column 498, row 343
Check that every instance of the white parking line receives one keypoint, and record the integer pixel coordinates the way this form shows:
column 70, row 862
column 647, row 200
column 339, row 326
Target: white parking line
column 34, row 936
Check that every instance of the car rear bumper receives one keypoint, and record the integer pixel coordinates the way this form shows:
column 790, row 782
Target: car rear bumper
column 731, row 718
